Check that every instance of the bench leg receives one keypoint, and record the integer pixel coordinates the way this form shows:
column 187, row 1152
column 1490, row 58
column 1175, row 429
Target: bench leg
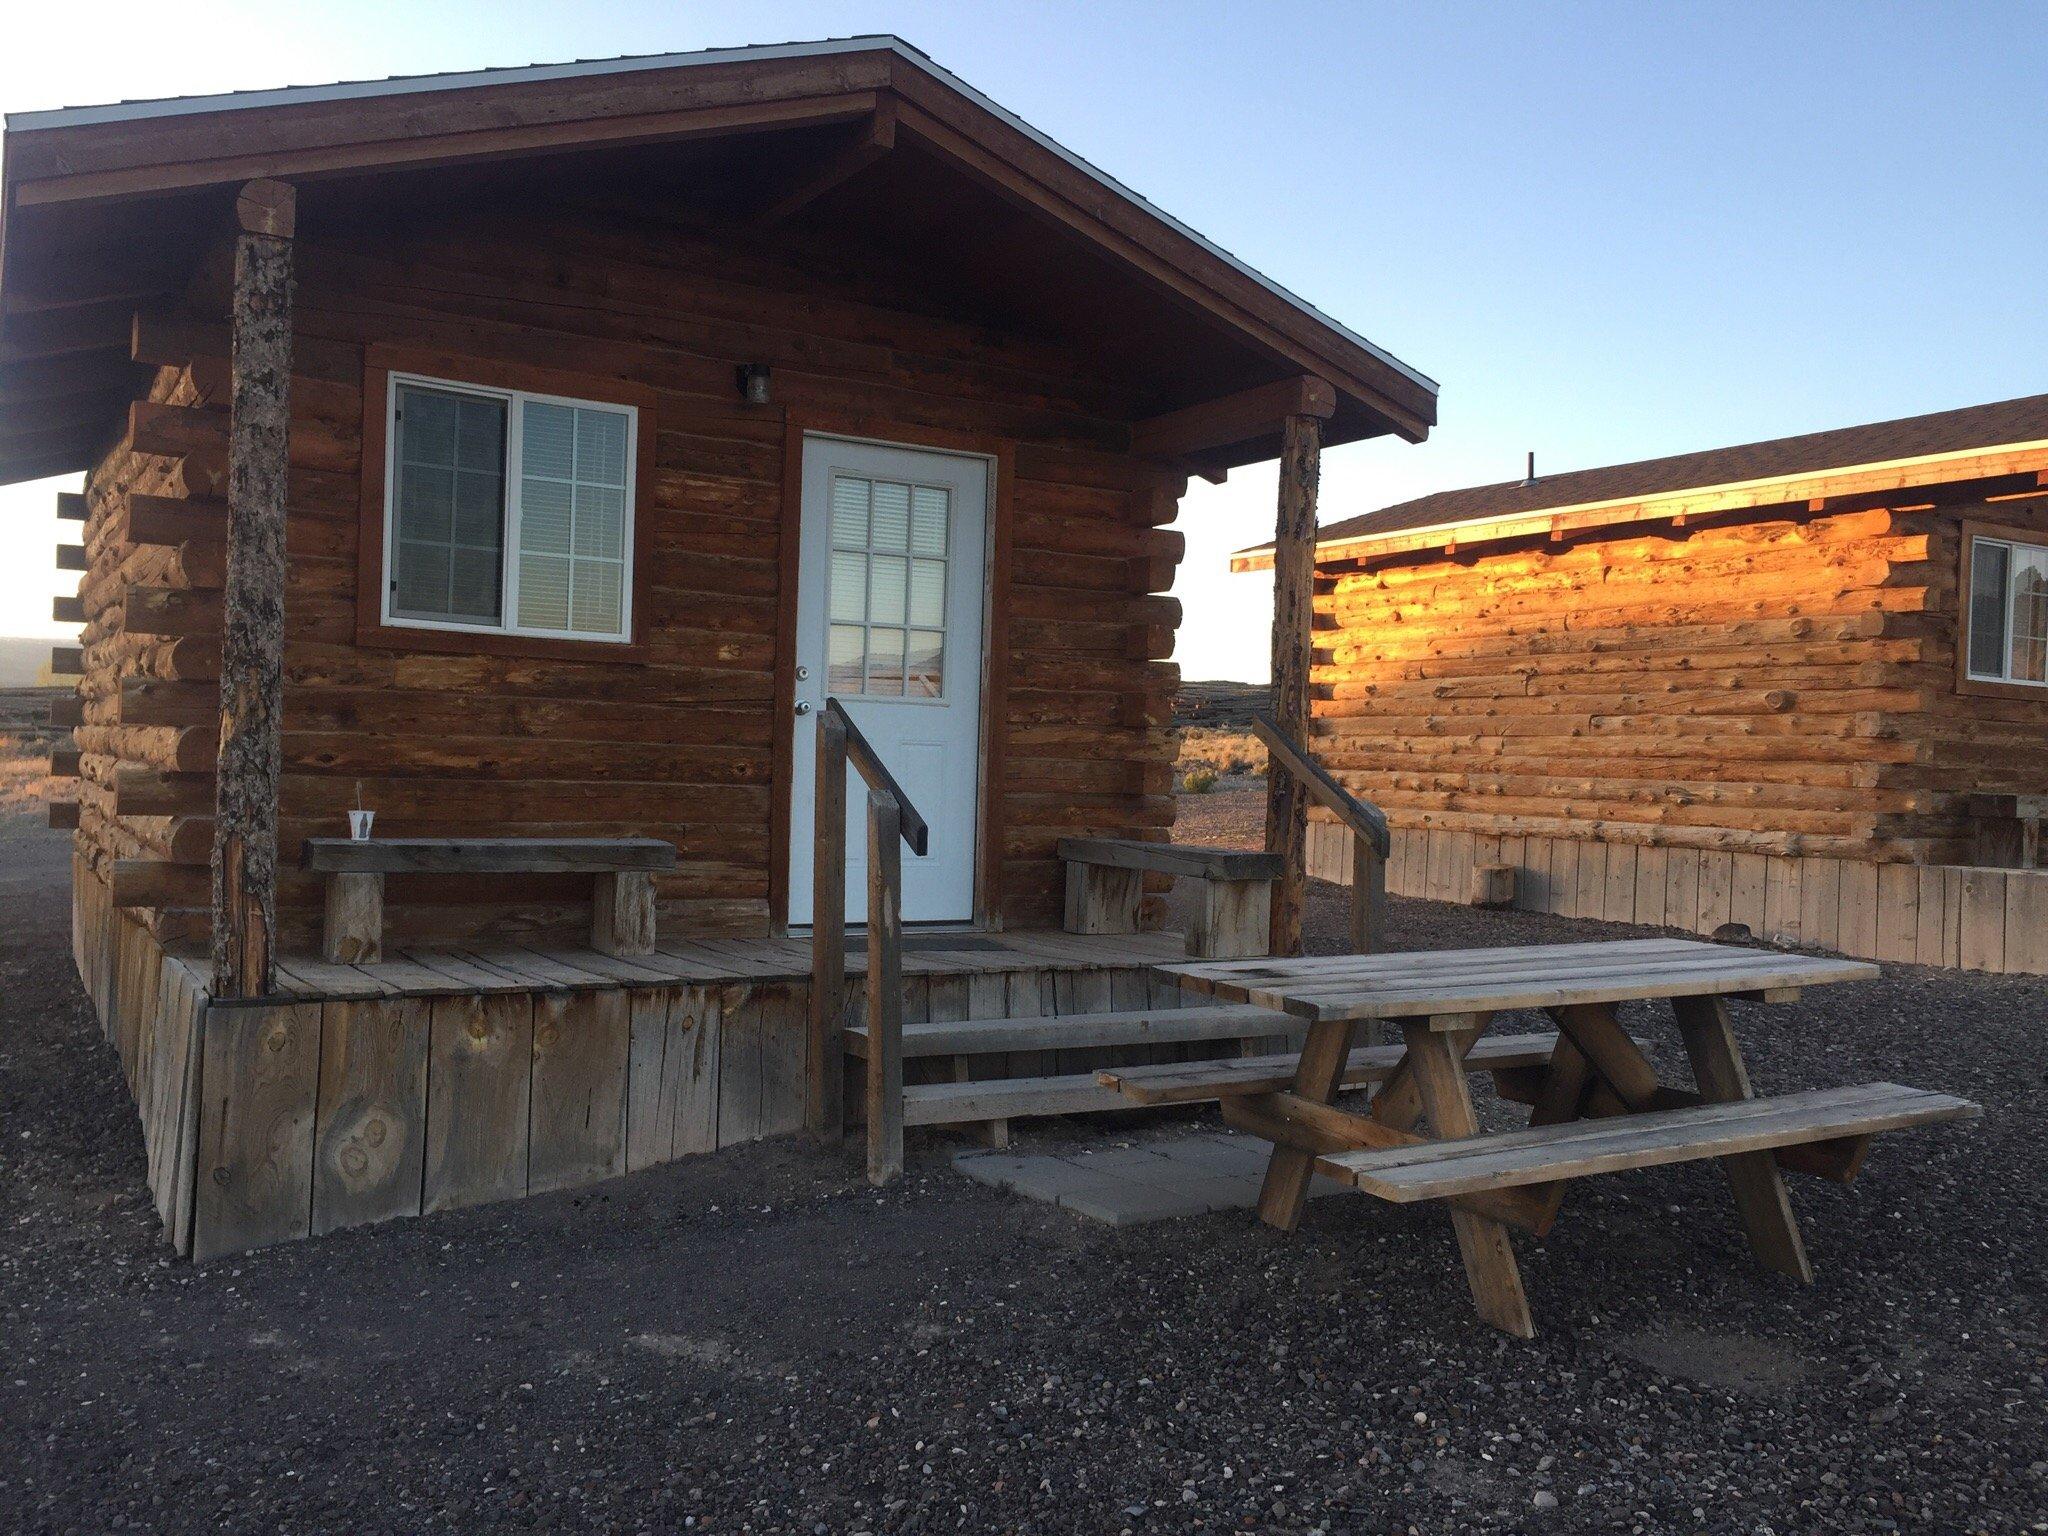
column 1316, row 1077
column 353, row 930
column 1103, row 898
column 1490, row 1267
column 622, row 913
column 1235, row 922
column 1760, row 1194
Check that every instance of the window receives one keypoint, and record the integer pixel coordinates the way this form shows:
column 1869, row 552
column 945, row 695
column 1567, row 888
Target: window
column 2008, row 613
column 508, row 512
column 888, row 588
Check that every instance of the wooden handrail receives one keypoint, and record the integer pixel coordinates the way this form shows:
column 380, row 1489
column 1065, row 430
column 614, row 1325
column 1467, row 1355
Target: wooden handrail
column 1371, row 838
column 891, row 821
column 1364, row 819
column 861, row 753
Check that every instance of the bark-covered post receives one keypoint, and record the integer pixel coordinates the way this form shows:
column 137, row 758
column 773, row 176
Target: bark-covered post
column 252, row 619
column 1294, row 561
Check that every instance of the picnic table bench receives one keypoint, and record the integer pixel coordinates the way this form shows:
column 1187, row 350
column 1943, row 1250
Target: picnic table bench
column 1598, row 1106
column 622, row 891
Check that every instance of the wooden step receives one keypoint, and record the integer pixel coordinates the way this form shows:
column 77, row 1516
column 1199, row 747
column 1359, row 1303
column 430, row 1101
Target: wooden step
column 1194, row 1081
column 1144, row 1026
column 1576, row 1148
column 1007, row 1098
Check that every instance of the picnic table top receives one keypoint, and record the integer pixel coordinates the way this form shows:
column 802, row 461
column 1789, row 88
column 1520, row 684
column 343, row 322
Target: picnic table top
column 1449, row 983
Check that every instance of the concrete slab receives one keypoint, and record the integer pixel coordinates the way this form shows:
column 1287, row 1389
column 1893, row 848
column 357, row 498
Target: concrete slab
column 1184, row 1174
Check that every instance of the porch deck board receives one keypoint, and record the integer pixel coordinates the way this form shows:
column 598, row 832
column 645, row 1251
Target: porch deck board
column 512, row 967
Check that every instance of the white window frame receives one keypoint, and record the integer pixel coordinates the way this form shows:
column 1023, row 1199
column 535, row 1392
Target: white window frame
column 508, row 602
column 2004, row 677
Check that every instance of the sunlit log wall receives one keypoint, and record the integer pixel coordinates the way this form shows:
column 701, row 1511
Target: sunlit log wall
column 1781, row 686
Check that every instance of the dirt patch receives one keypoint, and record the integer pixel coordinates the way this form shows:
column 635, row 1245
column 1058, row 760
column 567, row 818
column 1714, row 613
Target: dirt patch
column 1733, row 1361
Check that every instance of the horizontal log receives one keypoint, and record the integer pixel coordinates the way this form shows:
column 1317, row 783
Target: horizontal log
column 71, row 557
column 1233, row 418
column 173, row 520
column 67, row 710
column 67, row 610
column 152, row 883
column 64, row 762
column 64, row 814
column 171, row 611
column 152, row 701
column 149, row 792
column 72, row 506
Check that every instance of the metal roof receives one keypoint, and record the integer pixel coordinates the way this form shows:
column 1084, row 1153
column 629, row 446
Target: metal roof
column 299, row 95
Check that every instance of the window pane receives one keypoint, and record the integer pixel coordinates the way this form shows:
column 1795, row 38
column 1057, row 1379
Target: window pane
column 479, row 508
column 927, row 591
column 846, row 659
column 1988, row 565
column 2030, row 615
column 427, row 426
column 886, row 590
column 925, row 664
column 426, row 503
column 849, row 512
column 543, row 592
column 892, row 517
column 421, row 574
column 885, row 661
column 475, row 584
column 548, row 440
column 480, row 436
column 595, row 590
column 928, row 521
column 600, row 522
column 544, row 517
column 601, row 447
column 849, row 603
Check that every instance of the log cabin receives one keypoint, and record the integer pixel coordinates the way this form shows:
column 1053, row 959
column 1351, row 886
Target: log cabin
column 511, row 502
column 1798, row 685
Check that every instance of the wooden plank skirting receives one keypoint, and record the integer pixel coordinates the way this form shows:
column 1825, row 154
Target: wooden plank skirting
column 293, row 1115
column 1926, row 914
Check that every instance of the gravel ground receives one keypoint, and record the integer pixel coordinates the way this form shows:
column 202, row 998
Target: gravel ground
column 756, row 1342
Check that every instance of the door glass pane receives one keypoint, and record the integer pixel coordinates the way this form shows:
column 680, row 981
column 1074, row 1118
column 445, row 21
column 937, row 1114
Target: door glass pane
column 1988, row 574
column 885, row 662
column 928, row 592
column 846, row 659
column 928, row 506
column 923, row 669
column 849, row 512
column 886, row 586
column 2030, row 614
column 892, row 517
column 849, row 598
column 448, row 495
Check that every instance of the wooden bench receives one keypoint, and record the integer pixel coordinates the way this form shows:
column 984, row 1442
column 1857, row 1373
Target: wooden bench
column 1574, row 1149
column 622, row 888
column 1106, row 884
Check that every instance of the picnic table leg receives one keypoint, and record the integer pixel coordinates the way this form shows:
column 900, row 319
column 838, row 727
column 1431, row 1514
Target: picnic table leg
column 1398, row 1104
column 1759, row 1187
column 1316, row 1077
column 1490, row 1267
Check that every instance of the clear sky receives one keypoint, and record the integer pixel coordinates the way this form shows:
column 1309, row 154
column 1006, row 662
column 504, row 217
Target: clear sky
column 1609, row 231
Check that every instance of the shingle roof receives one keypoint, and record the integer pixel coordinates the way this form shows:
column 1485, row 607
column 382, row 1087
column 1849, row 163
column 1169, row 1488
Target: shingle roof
column 2024, row 420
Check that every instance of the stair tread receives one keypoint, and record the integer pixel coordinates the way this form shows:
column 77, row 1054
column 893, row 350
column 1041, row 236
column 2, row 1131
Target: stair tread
column 1192, row 1082
column 1079, row 1031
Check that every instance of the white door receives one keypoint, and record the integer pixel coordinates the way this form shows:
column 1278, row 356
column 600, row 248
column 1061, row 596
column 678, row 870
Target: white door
column 889, row 622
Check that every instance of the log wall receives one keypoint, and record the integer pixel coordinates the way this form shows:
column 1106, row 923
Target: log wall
column 1780, row 686
column 682, row 746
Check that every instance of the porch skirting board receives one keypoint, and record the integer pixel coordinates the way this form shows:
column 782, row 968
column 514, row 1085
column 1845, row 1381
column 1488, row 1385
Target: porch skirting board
column 1951, row 915
column 291, row 1116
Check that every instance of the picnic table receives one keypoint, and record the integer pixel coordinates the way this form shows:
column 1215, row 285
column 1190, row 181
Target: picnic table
column 1597, row 1104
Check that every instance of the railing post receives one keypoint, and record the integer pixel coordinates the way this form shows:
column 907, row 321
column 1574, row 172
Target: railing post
column 885, row 988
column 1368, row 897
column 825, row 1056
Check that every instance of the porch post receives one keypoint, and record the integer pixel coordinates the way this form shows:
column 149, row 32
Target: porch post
column 252, row 619
column 1294, row 548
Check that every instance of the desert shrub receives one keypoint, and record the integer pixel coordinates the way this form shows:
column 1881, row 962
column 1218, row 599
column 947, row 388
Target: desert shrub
column 1200, row 781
